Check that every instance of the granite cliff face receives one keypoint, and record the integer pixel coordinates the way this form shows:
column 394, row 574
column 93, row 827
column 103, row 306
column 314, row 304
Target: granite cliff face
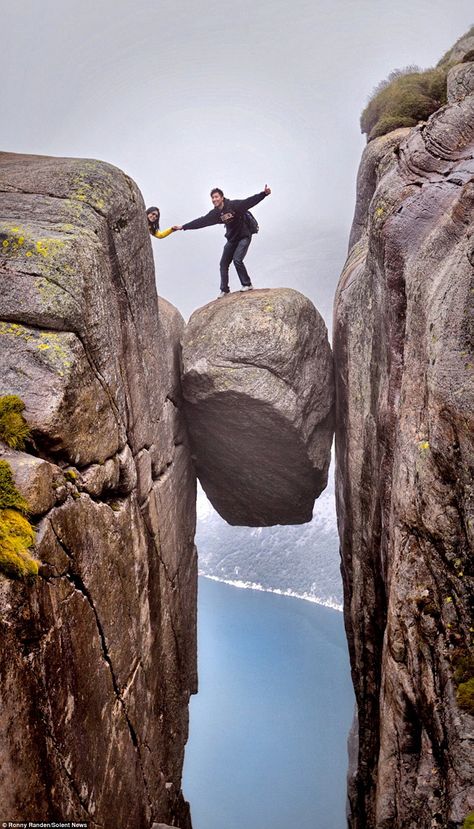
column 403, row 348
column 98, row 653
column 259, row 403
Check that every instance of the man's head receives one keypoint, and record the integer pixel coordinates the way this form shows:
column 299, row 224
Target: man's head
column 217, row 197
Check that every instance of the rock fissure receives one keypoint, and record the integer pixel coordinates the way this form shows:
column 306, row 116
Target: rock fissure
column 82, row 802
column 74, row 202
column 120, row 266
column 46, row 278
column 101, row 379
column 76, row 580
column 260, row 366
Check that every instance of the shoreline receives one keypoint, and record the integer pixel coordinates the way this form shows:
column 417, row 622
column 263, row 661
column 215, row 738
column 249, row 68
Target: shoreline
column 248, row 585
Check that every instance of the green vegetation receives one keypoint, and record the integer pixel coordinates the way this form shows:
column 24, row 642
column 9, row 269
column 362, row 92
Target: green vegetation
column 468, row 821
column 10, row 498
column 464, row 679
column 16, row 532
column 410, row 95
column 406, row 97
column 14, row 429
column 465, row 696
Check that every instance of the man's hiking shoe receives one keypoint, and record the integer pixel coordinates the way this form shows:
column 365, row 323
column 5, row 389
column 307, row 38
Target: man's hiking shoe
column 223, row 293
column 246, row 288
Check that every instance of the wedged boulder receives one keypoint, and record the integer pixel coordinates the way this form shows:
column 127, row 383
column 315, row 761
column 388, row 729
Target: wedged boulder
column 259, row 396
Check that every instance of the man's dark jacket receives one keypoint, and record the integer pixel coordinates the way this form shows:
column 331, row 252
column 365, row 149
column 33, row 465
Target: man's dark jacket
column 236, row 228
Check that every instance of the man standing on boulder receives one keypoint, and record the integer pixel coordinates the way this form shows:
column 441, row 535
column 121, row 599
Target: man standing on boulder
column 238, row 232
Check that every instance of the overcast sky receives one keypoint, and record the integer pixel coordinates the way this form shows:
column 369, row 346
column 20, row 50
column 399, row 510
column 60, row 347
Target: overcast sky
column 187, row 95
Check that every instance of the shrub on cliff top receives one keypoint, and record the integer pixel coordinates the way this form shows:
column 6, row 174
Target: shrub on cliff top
column 16, row 532
column 406, row 97
column 14, row 429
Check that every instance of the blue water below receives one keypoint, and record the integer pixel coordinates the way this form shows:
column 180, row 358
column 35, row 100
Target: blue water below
column 268, row 732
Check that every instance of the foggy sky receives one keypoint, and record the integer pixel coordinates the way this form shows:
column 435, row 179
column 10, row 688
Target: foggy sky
column 185, row 96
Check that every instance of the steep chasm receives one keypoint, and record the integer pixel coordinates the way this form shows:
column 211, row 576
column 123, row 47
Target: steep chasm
column 258, row 387
column 403, row 348
column 98, row 654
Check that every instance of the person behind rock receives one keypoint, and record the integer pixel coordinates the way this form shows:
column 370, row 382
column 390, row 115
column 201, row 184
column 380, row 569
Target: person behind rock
column 153, row 216
column 230, row 212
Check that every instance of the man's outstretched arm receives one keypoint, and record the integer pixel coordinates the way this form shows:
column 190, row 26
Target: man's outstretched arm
column 251, row 201
column 211, row 218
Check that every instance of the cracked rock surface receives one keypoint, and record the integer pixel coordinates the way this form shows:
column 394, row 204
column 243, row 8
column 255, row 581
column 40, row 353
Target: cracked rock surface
column 259, row 399
column 403, row 347
column 98, row 655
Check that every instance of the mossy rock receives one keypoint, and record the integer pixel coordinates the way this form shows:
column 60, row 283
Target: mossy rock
column 15, row 561
column 14, row 429
column 468, row 821
column 16, row 536
column 464, row 679
column 10, row 498
column 464, row 668
column 465, row 696
column 16, row 533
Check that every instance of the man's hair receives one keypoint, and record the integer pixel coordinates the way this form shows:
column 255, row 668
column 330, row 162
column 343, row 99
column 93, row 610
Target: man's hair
column 217, row 190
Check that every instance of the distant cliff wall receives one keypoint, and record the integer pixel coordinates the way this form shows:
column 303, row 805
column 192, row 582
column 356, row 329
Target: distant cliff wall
column 98, row 653
column 403, row 348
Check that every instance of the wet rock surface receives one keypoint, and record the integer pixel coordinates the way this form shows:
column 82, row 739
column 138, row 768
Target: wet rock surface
column 403, row 347
column 99, row 653
column 259, row 397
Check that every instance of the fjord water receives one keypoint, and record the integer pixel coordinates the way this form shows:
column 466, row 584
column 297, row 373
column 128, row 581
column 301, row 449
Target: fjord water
column 268, row 732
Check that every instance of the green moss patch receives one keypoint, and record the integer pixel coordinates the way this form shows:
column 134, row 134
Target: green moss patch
column 468, row 821
column 16, row 533
column 465, row 696
column 10, row 498
column 464, row 679
column 14, row 429
column 406, row 97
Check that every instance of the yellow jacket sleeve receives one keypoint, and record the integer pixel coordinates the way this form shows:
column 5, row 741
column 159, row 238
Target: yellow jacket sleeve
column 162, row 234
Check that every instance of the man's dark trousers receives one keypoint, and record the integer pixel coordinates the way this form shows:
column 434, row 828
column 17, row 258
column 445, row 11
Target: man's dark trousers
column 235, row 252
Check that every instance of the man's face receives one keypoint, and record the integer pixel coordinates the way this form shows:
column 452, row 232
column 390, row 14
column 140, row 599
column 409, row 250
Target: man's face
column 217, row 199
column 152, row 217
